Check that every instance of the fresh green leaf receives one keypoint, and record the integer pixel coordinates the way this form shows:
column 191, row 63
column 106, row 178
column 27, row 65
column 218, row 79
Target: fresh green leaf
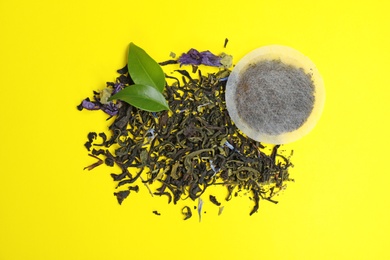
column 143, row 97
column 143, row 69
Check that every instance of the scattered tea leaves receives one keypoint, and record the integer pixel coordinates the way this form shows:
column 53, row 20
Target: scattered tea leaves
column 188, row 148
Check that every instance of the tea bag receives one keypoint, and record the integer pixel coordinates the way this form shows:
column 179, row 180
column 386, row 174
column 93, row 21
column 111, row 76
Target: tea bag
column 275, row 95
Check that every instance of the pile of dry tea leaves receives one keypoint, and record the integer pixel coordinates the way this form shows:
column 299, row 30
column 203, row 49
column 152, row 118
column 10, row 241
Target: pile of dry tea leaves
column 185, row 149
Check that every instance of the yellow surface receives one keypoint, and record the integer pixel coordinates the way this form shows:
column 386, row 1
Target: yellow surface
column 53, row 54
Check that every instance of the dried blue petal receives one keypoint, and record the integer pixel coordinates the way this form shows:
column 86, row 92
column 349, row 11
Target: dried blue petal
column 223, row 79
column 229, row 145
column 212, row 165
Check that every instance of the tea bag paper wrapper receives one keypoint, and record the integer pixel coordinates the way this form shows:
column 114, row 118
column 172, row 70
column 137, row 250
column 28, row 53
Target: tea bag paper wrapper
column 275, row 115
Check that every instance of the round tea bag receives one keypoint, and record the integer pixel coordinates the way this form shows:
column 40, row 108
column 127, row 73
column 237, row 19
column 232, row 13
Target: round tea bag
column 275, row 95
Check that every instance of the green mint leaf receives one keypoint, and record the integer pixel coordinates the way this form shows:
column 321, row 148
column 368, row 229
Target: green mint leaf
column 143, row 69
column 143, row 97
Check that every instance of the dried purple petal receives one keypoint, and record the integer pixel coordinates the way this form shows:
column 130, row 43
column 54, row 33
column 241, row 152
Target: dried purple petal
column 210, row 59
column 194, row 57
column 117, row 87
column 90, row 105
column 191, row 57
column 110, row 109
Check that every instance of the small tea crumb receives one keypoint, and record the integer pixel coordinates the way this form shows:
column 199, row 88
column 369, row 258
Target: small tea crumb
column 220, row 210
column 156, row 213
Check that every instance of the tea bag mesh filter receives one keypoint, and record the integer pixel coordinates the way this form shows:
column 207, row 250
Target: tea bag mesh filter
column 275, row 95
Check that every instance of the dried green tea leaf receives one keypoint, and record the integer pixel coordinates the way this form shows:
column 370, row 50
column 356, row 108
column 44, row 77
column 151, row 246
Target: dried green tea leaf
column 143, row 97
column 143, row 69
column 121, row 195
column 226, row 60
column 214, row 200
column 186, row 212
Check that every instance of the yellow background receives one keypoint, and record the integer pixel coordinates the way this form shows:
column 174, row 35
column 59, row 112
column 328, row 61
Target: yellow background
column 53, row 54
